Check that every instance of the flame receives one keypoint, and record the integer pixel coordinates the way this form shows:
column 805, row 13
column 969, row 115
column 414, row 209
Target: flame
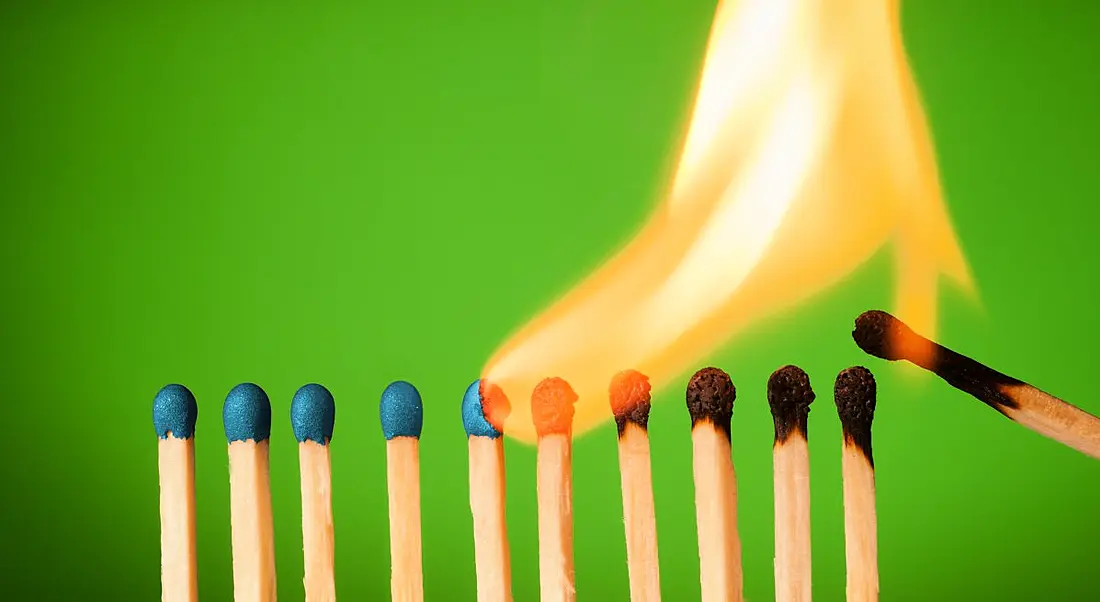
column 806, row 152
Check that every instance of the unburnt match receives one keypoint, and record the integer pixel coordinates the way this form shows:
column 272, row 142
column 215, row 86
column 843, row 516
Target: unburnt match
column 854, row 392
column 247, row 419
column 630, row 402
column 174, row 415
column 882, row 335
column 313, row 416
column 483, row 406
column 552, row 412
column 402, row 415
column 790, row 396
column 710, row 396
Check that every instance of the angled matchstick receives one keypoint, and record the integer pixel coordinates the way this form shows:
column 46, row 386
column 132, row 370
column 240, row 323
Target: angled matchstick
column 710, row 397
column 854, row 393
column 552, row 412
column 402, row 416
column 484, row 405
column 882, row 335
column 790, row 395
column 313, row 416
column 630, row 402
column 247, row 419
column 174, row 415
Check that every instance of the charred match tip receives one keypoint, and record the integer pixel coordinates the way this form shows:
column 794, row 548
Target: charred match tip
column 630, row 400
column 884, row 336
column 855, row 394
column 552, row 407
column 790, row 396
column 710, row 397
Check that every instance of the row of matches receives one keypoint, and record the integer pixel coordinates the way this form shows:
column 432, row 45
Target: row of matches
column 709, row 397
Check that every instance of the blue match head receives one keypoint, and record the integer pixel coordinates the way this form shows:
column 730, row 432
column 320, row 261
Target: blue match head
column 175, row 411
column 401, row 410
column 473, row 414
column 313, row 414
column 247, row 414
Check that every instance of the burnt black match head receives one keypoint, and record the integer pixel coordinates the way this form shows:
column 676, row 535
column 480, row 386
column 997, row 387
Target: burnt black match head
column 710, row 397
column 855, row 392
column 882, row 335
column 790, row 396
column 629, row 394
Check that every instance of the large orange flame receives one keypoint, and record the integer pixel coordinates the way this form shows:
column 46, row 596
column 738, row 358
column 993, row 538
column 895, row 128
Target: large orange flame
column 807, row 151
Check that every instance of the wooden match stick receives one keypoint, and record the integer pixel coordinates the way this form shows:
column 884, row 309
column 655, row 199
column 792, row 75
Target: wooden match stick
column 174, row 415
column 854, row 393
column 552, row 412
column 481, row 402
column 882, row 335
column 630, row 402
column 790, row 396
column 247, row 419
column 710, row 397
column 313, row 416
column 402, row 421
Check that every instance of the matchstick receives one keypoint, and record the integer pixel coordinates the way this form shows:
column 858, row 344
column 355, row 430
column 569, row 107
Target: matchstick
column 854, row 393
column 247, row 419
column 402, row 420
column 790, row 396
column 552, row 412
column 313, row 416
column 710, row 397
column 174, row 415
column 630, row 402
column 884, row 336
column 483, row 406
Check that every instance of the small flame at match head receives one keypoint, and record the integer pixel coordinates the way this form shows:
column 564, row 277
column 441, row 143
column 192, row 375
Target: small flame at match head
column 629, row 395
column 790, row 396
column 855, row 392
column 884, row 336
column 482, row 401
column 552, row 407
column 710, row 397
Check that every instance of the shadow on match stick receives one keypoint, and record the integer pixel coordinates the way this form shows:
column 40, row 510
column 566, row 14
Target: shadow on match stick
column 882, row 335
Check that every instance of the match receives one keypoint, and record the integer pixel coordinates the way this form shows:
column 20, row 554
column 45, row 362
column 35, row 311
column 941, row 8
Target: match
column 790, row 396
column 884, row 336
column 174, row 415
column 710, row 397
column 629, row 395
column 854, row 393
column 402, row 416
column 247, row 419
column 484, row 405
column 552, row 412
column 313, row 416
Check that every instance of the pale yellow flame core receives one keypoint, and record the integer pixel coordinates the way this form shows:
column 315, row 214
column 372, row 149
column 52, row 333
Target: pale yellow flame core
column 807, row 151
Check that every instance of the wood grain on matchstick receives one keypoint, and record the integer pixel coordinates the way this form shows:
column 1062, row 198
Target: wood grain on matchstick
column 403, row 482
column 179, row 569
column 253, row 531
column 317, row 528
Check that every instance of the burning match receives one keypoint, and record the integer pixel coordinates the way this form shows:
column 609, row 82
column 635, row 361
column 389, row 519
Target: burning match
column 854, row 393
column 630, row 403
column 884, row 336
column 552, row 409
column 790, row 395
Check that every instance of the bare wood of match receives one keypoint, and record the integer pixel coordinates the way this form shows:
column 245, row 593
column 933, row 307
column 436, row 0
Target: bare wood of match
column 882, row 335
column 247, row 419
column 854, row 393
column 790, row 396
column 710, row 396
column 313, row 416
column 484, row 410
column 174, row 415
column 629, row 395
column 552, row 412
column 402, row 414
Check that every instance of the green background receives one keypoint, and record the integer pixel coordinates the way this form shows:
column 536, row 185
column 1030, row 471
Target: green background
column 354, row 193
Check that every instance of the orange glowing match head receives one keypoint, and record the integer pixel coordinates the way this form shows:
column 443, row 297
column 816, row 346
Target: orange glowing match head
column 552, row 407
column 494, row 404
column 628, row 390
